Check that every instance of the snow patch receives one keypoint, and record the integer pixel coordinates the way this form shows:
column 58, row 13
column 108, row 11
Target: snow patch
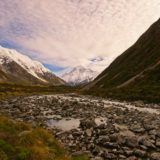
column 35, row 68
column 79, row 75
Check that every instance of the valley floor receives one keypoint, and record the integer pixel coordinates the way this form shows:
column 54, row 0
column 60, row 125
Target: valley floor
column 103, row 129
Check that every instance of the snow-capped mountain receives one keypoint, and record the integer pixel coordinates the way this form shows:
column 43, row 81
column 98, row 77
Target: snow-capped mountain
column 79, row 75
column 20, row 69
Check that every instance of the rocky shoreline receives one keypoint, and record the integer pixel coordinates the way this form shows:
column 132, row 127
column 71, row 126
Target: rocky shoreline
column 100, row 128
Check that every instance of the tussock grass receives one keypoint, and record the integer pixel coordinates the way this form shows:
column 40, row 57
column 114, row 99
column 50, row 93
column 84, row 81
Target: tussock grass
column 19, row 141
column 81, row 157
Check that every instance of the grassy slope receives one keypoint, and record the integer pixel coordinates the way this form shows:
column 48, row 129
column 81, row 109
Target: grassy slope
column 143, row 54
column 9, row 90
column 20, row 141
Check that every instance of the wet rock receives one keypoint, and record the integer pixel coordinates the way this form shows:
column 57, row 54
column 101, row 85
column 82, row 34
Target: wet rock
column 147, row 142
column 121, row 139
column 158, row 133
column 148, row 126
column 95, row 151
column 122, row 157
column 87, row 123
column 102, row 140
column 139, row 153
column 110, row 156
column 71, row 137
column 158, row 142
column 127, row 151
column 155, row 156
column 110, row 145
column 132, row 158
column 153, row 132
column 137, row 128
column 89, row 132
column 131, row 141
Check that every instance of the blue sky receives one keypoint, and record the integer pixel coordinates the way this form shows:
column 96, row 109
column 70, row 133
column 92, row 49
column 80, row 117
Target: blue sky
column 67, row 33
column 11, row 45
column 55, row 68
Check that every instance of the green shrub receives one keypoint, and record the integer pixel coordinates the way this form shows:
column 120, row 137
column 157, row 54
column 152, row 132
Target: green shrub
column 24, row 153
column 3, row 156
column 7, row 148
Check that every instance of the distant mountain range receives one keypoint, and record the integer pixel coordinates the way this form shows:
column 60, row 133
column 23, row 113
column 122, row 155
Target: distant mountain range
column 17, row 68
column 135, row 73
column 79, row 75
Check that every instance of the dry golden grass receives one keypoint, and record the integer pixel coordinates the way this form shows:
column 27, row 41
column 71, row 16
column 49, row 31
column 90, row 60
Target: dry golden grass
column 19, row 141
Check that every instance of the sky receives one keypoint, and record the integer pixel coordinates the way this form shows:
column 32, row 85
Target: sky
column 66, row 33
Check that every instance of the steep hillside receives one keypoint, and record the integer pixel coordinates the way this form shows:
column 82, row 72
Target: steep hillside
column 135, row 73
column 19, row 69
column 22, row 141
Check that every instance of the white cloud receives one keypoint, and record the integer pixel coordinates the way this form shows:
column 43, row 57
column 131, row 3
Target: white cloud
column 71, row 32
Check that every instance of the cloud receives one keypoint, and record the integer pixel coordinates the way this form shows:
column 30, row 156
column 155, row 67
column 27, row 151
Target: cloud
column 67, row 33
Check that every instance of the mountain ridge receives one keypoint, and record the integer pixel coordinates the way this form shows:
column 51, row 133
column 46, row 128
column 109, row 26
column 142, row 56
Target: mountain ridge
column 19, row 69
column 135, row 73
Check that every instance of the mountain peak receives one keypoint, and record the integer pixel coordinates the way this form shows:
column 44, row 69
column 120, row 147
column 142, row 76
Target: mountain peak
column 79, row 75
column 10, row 58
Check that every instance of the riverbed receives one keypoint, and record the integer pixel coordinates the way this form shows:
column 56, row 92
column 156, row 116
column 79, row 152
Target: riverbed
column 104, row 129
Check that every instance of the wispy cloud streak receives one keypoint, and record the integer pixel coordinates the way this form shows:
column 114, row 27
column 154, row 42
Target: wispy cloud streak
column 72, row 32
